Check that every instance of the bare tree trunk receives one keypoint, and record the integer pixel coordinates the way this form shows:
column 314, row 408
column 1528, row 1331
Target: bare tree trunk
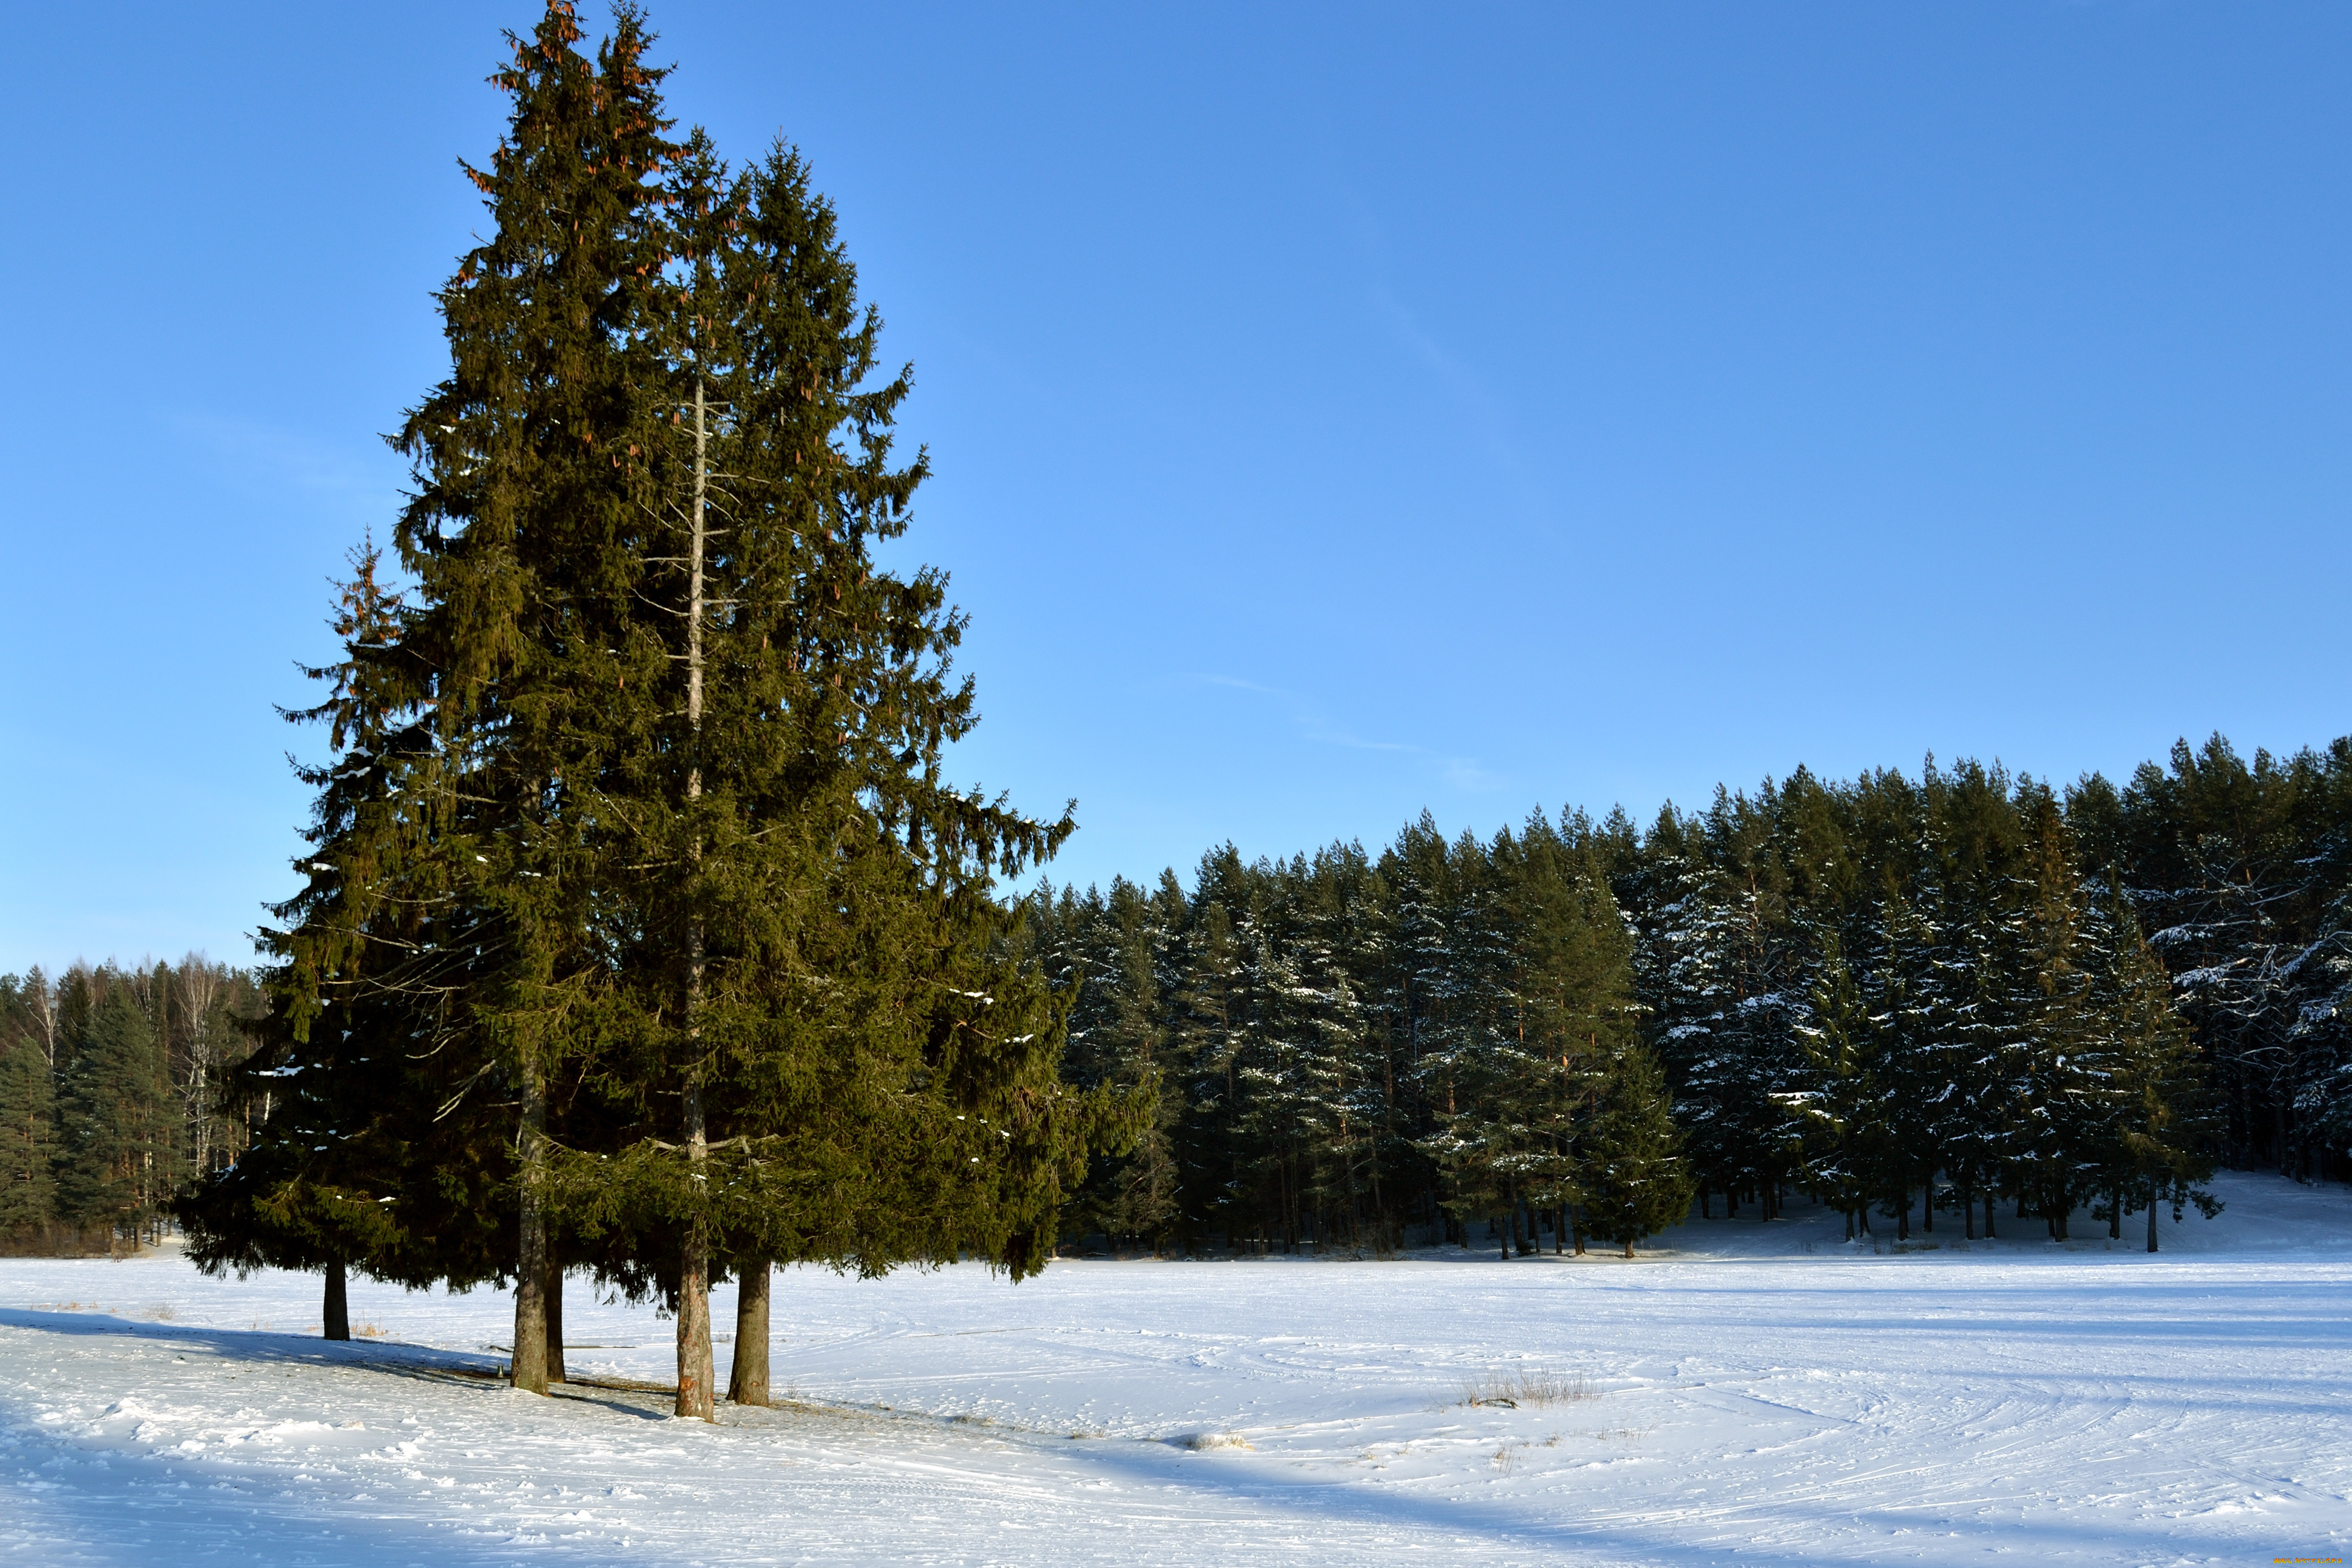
column 554, row 1314
column 2151, row 1219
column 531, row 1260
column 695, row 1396
column 338, row 1313
column 42, row 998
column 694, row 1380
column 749, row 1385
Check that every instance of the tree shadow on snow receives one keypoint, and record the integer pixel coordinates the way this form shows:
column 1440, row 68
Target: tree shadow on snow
column 1826, row 1527
column 1511, row 1526
column 268, row 1345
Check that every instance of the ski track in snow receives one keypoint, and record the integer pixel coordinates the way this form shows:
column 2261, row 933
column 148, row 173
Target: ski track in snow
column 1757, row 1394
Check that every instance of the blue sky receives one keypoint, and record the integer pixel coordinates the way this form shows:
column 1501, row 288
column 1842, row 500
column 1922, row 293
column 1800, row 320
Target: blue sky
column 1337, row 411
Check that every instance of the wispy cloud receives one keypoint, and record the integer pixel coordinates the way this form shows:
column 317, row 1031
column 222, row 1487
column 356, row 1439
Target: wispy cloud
column 277, row 457
column 1313, row 724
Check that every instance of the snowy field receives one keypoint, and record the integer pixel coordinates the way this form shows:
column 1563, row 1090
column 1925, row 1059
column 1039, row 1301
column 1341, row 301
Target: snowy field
column 1749, row 1394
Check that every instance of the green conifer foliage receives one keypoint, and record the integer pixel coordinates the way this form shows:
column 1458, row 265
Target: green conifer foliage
column 807, row 1023
column 2163, row 1140
column 1635, row 1181
column 27, row 1115
column 525, row 541
column 366, row 1152
column 1847, row 1111
column 116, row 1122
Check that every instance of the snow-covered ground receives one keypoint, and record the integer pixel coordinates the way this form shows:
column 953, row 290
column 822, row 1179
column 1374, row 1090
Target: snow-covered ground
column 1751, row 1394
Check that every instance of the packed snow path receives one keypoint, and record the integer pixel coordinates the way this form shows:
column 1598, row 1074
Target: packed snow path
column 1746, row 1400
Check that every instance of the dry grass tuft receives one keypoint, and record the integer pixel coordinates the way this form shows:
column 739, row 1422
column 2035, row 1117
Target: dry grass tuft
column 1201, row 1442
column 1513, row 1389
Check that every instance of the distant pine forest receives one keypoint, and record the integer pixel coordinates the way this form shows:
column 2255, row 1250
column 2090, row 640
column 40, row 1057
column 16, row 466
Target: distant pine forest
column 1956, row 1000
column 111, row 1097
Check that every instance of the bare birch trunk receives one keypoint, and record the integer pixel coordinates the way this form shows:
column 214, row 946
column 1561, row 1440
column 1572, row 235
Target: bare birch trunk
column 338, row 1311
column 531, row 1260
column 554, row 1314
column 749, row 1385
column 694, row 1374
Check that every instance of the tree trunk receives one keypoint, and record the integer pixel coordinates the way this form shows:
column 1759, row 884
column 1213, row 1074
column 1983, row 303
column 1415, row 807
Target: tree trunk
column 748, row 1383
column 2115, row 1215
column 695, row 1394
column 2151, row 1219
column 1629, row 1249
column 530, row 1370
column 339, row 1302
column 554, row 1313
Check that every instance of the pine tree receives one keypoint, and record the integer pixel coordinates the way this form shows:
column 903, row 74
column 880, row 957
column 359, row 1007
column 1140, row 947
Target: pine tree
column 1635, row 1181
column 522, row 536
column 2162, row 1139
column 111, row 1108
column 805, row 945
column 27, row 1114
column 2058, row 1063
column 1847, row 1110
column 359, row 1156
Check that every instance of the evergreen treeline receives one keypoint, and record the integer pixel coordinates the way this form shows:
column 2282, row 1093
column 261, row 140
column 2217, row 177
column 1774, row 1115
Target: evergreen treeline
column 110, row 1084
column 1898, row 994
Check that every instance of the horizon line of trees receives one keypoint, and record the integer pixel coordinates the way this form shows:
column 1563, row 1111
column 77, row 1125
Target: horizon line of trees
column 1900, row 996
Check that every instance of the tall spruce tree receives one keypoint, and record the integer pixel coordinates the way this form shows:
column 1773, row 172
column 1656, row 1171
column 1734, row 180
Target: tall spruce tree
column 525, row 543
column 805, row 948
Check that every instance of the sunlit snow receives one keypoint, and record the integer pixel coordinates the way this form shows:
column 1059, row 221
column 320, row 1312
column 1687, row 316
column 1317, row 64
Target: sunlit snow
column 1752, row 1394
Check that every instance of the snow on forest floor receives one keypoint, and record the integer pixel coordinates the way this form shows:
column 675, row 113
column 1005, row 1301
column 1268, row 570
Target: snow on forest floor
column 1748, row 1393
